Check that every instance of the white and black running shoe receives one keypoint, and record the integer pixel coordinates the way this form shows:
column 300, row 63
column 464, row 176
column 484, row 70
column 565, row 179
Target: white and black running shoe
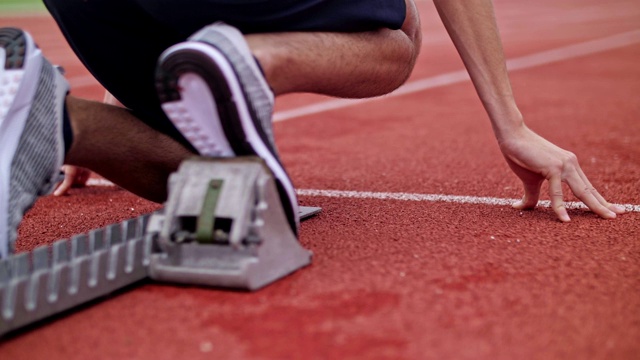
column 214, row 92
column 32, row 94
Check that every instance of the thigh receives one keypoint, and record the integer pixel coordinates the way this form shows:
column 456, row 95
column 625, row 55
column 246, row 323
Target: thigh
column 120, row 41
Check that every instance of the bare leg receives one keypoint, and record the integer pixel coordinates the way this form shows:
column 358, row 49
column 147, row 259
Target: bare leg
column 112, row 142
column 351, row 65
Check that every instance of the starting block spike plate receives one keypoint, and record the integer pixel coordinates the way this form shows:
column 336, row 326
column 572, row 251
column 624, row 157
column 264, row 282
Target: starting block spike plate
column 251, row 243
column 52, row 279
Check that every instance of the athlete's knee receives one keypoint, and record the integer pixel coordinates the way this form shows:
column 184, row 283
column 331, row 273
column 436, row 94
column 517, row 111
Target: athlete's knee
column 411, row 27
column 407, row 41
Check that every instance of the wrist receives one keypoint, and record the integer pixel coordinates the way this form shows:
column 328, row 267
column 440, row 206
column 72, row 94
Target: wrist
column 506, row 120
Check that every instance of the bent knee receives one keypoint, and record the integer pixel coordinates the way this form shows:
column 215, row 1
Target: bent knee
column 409, row 40
column 411, row 26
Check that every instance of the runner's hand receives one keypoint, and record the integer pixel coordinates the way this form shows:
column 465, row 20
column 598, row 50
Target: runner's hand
column 73, row 177
column 534, row 160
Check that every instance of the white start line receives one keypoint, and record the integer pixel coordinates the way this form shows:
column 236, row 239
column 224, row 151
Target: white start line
column 459, row 199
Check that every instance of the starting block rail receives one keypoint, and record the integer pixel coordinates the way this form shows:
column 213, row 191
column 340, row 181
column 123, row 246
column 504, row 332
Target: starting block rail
column 223, row 226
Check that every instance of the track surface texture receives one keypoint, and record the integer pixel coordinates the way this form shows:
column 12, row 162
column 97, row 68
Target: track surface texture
column 395, row 279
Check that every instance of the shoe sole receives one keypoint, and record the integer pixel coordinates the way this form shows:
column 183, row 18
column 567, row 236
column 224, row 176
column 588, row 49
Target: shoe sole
column 19, row 75
column 219, row 115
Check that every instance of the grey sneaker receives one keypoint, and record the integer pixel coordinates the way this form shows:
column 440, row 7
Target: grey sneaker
column 213, row 91
column 32, row 94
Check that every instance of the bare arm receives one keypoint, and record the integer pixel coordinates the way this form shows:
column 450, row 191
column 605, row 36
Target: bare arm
column 472, row 27
column 75, row 176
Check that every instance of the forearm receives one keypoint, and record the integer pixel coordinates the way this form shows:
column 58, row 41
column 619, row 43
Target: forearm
column 472, row 27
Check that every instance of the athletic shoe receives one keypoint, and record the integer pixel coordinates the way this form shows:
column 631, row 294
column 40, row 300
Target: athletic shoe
column 214, row 92
column 32, row 94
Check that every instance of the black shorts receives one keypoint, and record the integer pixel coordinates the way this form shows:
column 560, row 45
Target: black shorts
column 119, row 41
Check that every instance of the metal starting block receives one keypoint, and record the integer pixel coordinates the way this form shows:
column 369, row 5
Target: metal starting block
column 224, row 225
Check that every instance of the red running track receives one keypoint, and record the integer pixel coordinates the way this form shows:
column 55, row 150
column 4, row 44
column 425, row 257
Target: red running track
column 398, row 279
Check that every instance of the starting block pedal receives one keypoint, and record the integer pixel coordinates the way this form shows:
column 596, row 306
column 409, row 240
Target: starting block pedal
column 224, row 226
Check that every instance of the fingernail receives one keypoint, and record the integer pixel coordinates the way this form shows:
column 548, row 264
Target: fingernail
column 620, row 208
